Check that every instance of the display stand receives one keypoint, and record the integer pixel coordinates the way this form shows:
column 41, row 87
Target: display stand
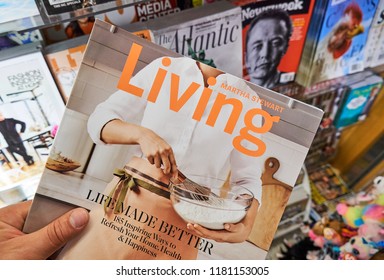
column 45, row 19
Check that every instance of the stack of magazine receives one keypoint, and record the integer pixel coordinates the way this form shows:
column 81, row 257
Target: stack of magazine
column 336, row 40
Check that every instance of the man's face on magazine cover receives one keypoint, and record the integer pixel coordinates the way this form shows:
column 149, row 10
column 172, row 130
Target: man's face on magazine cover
column 265, row 47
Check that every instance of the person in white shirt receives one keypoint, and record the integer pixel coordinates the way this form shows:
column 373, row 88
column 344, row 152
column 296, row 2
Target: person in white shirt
column 174, row 140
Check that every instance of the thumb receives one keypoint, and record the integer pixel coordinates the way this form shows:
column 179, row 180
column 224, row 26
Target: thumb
column 56, row 234
column 239, row 227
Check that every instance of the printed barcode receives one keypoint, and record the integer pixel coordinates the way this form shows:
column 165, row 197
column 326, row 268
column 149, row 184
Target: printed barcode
column 54, row 2
column 287, row 77
column 357, row 67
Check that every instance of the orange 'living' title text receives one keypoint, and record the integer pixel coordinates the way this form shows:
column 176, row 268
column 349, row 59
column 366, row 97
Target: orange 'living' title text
column 176, row 103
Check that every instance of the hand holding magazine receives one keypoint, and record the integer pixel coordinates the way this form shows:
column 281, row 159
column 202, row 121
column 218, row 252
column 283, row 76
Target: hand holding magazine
column 137, row 114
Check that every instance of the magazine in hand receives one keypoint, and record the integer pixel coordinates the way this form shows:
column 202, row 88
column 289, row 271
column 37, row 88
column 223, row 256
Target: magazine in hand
column 162, row 149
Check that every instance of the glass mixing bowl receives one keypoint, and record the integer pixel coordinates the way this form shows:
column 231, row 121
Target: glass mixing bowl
column 209, row 206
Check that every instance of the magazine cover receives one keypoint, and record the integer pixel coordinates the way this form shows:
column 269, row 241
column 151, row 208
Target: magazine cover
column 13, row 38
column 19, row 16
column 210, row 34
column 378, row 56
column 358, row 101
column 146, row 10
column 14, row 10
column 375, row 39
column 340, row 40
column 64, row 60
column 378, row 59
column 30, row 109
column 174, row 159
column 55, row 7
column 309, row 49
column 274, row 33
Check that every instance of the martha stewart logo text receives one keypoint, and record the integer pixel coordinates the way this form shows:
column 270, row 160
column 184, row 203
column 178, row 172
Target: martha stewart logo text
column 177, row 101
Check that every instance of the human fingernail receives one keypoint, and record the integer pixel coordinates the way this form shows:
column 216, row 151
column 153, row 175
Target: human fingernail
column 79, row 218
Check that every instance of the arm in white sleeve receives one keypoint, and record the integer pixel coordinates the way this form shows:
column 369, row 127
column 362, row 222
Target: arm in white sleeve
column 123, row 105
column 120, row 105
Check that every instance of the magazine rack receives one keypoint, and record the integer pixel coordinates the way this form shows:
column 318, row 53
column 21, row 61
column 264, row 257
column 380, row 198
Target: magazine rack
column 274, row 198
column 72, row 12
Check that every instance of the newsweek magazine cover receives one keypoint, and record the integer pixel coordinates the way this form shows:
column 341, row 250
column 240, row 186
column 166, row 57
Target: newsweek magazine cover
column 30, row 108
column 163, row 149
column 210, row 33
column 336, row 40
column 282, row 24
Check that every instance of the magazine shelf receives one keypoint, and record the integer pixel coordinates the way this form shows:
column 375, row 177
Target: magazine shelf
column 43, row 19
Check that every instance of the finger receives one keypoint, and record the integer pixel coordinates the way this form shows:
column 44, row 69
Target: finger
column 151, row 159
column 233, row 227
column 217, row 235
column 166, row 163
column 157, row 160
column 204, row 232
column 173, row 164
column 15, row 214
column 55, row 235
column 194, row 230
